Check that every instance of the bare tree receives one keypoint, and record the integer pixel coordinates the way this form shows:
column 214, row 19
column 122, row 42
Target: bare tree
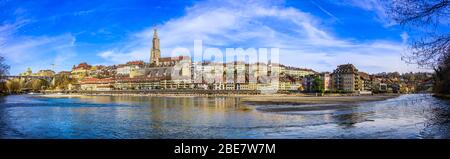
column 431, row 17
column 4, row 68
column 431, row 48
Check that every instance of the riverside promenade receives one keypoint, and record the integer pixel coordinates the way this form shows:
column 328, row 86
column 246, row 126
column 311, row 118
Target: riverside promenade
column 163, row 91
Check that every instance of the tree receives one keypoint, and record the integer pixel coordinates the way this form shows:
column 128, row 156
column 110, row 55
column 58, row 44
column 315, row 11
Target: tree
column 432, row 48
column 36, row 84
column 442, row 82
column 4, row 70
column 318, row 85
column 15, row 85
column 61, row 82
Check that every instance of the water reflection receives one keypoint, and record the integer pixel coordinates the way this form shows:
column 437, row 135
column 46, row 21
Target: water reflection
column 350, row 119
column 408, row 116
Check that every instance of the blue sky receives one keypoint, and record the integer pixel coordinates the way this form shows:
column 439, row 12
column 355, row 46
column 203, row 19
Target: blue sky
column 317, row 34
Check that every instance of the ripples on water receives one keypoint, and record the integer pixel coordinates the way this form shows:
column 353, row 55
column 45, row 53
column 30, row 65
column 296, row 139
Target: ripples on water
column 407, row 116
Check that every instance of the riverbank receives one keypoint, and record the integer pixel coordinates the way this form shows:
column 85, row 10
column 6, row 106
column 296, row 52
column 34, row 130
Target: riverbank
column 290, row 100
column 145, row 95
column 256, row 99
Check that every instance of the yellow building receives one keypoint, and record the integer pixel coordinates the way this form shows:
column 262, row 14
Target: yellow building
column 296, row 72
column 81, row 71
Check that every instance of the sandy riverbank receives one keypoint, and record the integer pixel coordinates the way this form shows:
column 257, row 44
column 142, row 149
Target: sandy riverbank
column 261, row 99
column 293, row 100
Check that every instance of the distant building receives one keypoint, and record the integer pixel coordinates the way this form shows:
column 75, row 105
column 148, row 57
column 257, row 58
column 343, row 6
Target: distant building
column 64, row 73
column 134, row 67
column 180, row 72
column 45, row 73
column 308, row 83
column 326, row 81
column 80, row 71
column 160, row 73
column 366, row 81
column 346, row 78
column 155, row 53
column 103, row 71
column 294, row 71
column 287, row 83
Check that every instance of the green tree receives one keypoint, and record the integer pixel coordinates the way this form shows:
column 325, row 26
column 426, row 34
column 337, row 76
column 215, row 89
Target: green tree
column 318, row 85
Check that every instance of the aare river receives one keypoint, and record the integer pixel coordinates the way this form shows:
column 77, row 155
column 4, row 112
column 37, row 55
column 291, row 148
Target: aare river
column 126, row 117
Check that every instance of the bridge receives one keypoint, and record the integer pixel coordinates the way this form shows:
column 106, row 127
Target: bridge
column 26, row 77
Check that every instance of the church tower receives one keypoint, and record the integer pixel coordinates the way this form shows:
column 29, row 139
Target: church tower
column 155, row 54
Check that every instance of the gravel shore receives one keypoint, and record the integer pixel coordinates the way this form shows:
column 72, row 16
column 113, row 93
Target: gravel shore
column 292, row 100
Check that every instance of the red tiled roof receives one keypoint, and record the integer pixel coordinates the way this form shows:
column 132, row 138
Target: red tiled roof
column 168, row 59
column 364, row 75
column 135, row 63
column 83, row 65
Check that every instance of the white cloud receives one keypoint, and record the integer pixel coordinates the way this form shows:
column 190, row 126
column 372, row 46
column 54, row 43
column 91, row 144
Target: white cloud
column 38, row 52
column 8, row 29
column 299, row 35
column 118, row 57
column 376, row 6
column 325, row 11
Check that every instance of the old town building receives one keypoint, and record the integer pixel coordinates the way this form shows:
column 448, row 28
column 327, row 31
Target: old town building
column 80, row 71
column 346, row 78
column 327, row 82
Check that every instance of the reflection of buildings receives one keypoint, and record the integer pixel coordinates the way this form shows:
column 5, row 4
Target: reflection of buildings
column 349, row 120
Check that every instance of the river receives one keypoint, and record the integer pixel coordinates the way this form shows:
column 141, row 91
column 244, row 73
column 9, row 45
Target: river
column 126, row 117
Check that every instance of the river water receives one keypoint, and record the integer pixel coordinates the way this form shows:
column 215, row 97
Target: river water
column 106, row 117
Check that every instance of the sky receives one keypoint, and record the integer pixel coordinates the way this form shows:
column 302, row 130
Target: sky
column 316, row 34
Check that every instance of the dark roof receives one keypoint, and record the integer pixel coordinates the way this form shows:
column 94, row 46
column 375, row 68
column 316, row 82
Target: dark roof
column 346, row 68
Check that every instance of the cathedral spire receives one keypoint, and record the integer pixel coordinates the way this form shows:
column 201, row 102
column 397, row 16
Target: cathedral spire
column 155, row 33
column 155, row 53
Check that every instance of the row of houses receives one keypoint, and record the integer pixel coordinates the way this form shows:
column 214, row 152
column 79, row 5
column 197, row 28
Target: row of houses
column 347, row 78
column 181, row 72
column 184, row 74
